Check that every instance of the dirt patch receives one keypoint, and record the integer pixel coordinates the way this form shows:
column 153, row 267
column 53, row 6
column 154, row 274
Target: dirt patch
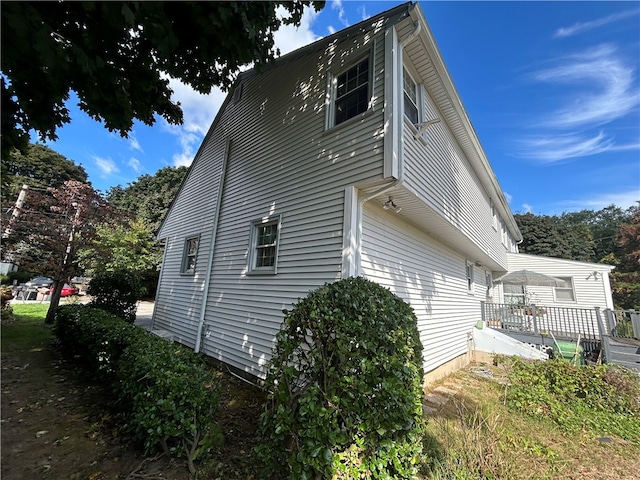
column 55, row 425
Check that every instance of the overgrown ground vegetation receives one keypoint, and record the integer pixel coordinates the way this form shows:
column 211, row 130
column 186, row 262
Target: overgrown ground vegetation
column 55, row 423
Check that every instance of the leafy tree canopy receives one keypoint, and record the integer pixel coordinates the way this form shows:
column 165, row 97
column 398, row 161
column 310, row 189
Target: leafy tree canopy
column 626, row 277
column 117, row 57
column 38, row 166
column 150, row 196
column 51, row 228
column 547, row 236
column 610, row 235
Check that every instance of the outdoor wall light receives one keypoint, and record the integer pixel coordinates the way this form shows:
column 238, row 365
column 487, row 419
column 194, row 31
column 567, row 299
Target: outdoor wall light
column 390, row 205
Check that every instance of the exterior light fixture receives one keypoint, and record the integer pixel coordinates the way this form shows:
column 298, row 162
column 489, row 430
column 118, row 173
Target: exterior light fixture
column 390, row 205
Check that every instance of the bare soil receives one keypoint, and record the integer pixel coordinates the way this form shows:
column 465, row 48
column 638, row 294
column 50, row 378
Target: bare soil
column 55, row 425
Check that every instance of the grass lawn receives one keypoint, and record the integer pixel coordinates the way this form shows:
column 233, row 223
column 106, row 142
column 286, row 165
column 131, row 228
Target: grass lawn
column 478, row 435
column 28, row 330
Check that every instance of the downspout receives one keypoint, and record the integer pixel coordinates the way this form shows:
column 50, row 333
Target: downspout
column 400, row 178
column 214, row 233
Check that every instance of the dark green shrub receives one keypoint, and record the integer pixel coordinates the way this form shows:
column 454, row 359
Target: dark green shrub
column 165, row 391
column 345, row 387
column 19, row 276
column 116, row 292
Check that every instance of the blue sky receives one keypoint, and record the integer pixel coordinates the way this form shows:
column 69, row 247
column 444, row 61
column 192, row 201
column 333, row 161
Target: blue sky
column 552, row 90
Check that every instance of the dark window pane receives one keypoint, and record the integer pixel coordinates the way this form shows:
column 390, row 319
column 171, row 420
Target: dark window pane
column 352, row 92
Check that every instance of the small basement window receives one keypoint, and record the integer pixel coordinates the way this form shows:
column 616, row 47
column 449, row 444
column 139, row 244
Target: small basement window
column 263, row 254
column 189, row 255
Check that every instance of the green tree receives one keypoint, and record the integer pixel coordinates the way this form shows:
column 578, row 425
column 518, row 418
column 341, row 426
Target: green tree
column 127, row 246
column 38, row 166
column 552, row 236
column 50, row 230
column 541, row 236
column 150, row 196
column 116, row 56
column 625, row 283
column 603, row 225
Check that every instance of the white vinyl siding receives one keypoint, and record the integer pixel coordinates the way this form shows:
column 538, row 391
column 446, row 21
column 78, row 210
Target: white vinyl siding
column 445, row 168
column 428, row 275
column 179, row 297
column 282, row 162
column 588, row 290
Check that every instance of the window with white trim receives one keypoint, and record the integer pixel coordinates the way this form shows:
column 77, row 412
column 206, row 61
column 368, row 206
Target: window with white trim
column 410, row 97
column 488, row 280
column 351, row 92
column 469, row 277
column 263, row 254
column 189, row 255
column 565, row 293
column 513, row 294
column 494, row 215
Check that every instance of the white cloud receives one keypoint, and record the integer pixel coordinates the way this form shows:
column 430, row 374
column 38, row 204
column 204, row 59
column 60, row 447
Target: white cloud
column 134, row 163
column 289, row 38
column 601, row 84
column 508, row 197
column 106, row 166
column 556, row 148
column 363, row 12
column 527, row 208
column 199, row 110
column 623, row 200
column 337, row 5
column 133, row 142
column 581, row 27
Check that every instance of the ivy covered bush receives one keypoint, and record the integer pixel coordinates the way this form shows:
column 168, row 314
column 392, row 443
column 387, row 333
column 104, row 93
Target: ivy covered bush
column 165, row 392
column 116, row 292
column 345, row 387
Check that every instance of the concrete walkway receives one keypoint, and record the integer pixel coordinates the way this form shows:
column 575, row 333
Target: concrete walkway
column 144, row 314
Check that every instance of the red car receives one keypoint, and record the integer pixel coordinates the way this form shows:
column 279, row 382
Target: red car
column 67, row 291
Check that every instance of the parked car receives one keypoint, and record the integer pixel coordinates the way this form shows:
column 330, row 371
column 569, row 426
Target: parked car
column 39, row 282
column 67, row 291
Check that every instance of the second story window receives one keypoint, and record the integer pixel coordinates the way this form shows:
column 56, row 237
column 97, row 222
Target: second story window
column 410, row 97
column 352, row 92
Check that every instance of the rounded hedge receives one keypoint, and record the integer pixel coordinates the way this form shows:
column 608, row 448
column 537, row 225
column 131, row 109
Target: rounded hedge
column 345, row 387
column 116, row 292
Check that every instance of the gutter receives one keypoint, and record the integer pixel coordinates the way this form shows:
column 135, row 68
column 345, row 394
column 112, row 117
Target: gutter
column 214, row 233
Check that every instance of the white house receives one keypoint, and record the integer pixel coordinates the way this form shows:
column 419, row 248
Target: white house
column 350, row 156
column 586, row 285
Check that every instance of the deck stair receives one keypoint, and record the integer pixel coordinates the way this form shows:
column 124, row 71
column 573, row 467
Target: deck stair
column 625, row 352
